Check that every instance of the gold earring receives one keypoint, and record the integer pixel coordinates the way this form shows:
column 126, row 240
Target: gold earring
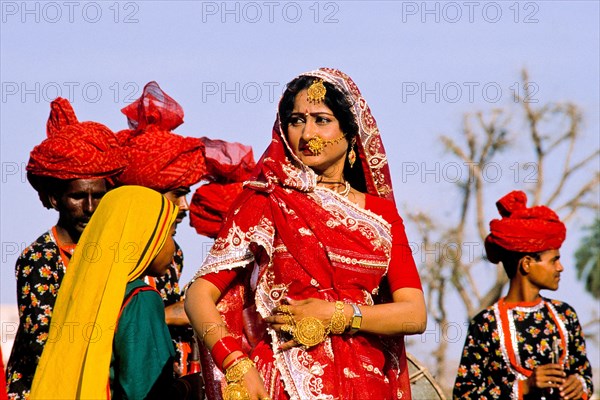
column 352, row 153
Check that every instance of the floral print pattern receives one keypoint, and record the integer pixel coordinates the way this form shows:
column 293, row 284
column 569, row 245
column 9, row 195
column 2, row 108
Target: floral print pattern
column 39, row 271
column 485, row 371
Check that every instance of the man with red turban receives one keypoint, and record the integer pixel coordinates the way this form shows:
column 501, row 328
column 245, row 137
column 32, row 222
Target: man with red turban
column 525, row 346
column 170, row 164
column 71, row 170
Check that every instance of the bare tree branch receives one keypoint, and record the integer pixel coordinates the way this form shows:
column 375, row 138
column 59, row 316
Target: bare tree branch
column 575, row 202
column 532, row 118
column 482, row 137
column 567, row 174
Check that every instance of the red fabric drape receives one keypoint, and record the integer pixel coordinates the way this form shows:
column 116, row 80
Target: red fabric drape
column 228, row 165
column 309, row 242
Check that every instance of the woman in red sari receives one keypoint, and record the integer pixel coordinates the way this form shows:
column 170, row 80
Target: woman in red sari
column 310, row 287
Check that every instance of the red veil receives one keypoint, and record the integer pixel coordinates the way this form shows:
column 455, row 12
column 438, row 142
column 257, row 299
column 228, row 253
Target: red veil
column 294, row 238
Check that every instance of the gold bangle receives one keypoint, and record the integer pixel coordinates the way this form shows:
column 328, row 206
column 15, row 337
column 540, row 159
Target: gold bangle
column 236, row 372
column 310, row 331
column 235, row 391
column 337, row 325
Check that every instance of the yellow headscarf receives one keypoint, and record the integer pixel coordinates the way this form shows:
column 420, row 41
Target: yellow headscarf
column 128, row 229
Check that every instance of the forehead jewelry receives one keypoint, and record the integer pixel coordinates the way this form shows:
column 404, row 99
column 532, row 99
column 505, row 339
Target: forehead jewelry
column 316, row 91
column 316, row 144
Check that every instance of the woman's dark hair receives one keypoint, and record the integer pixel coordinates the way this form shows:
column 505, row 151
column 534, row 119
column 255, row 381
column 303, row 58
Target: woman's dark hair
column 341, row 106
column 510, row 259
column 334, row 99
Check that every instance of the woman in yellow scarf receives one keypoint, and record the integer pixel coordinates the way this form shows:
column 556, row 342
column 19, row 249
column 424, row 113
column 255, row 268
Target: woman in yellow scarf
column 102, row 302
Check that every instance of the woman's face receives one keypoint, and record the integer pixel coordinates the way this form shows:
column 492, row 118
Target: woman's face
column 309, row 120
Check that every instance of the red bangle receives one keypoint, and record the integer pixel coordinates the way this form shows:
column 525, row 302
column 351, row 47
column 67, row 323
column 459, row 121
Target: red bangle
column 224, row 347
column 236, row 359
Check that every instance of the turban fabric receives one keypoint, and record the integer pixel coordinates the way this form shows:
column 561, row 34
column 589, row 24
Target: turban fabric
column 228, row 166
column 522, row 229
column 73, row 149
column 158, row 158
column 162, row 160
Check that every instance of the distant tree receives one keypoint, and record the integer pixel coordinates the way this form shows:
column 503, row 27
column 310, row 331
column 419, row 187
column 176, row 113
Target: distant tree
column 552, row 132
column 587, row 260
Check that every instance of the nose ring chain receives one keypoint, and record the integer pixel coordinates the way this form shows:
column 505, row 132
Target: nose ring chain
column 316, row 144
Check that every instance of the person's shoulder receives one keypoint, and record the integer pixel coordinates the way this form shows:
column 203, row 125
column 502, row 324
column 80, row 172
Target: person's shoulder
column 142, row 299
column 562, row 308
column 486, row 315
column 142, row 306
column 383, row 207
column 43, row 244
column 138, row 287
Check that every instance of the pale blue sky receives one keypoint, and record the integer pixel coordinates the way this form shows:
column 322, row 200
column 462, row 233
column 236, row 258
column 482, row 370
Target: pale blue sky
column 227, row 63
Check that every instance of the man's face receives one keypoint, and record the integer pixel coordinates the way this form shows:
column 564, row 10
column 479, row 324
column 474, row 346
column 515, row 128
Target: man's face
column 178, row 197
column 545, row 274
column 77, row 204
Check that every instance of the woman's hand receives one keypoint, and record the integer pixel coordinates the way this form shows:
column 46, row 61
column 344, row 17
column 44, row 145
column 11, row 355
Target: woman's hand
column 285, row 316
column 254, row 385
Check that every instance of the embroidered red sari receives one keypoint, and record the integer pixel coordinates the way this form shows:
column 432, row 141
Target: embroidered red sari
column 293, row 238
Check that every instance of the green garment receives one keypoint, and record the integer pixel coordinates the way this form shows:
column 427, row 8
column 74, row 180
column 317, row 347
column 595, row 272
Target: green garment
column 142, row 360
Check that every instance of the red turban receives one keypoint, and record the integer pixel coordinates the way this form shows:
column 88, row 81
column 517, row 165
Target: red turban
column 158, row 158
column 522, row 229
column 73, row 150
column 228, row 166
column 210, row 205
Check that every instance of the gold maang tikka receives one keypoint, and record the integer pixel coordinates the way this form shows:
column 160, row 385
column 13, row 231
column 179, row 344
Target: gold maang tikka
column 316, row 91
column 316, row 94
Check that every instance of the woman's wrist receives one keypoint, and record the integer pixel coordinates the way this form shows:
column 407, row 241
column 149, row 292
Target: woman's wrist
column 236, row 371
column 346, row 318
column 234, row 375
column 337, row 324
column 232, row 358
column 348, row 312
column 355, row 320
column 224, row 349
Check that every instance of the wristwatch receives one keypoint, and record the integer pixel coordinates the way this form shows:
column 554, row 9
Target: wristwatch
column 356, row 320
